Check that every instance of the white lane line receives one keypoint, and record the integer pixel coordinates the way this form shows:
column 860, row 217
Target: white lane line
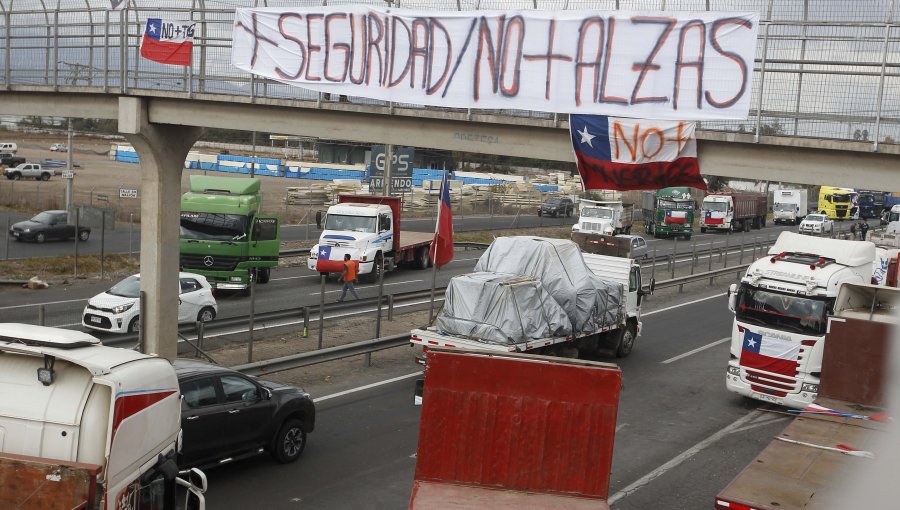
column 367, row 287
column 761, row 423
column 684, row 304
column 367, row 387
column 462, row 260
column 685, row 455
column 695, row 351
column 294, row 277
column 620, row 427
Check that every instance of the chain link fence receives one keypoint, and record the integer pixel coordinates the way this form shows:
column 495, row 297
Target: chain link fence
column 823, row 69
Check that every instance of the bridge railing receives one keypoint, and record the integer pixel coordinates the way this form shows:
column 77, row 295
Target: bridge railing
column 827, row 70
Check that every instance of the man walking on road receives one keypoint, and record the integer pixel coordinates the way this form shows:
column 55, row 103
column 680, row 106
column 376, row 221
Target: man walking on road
column 348, row 276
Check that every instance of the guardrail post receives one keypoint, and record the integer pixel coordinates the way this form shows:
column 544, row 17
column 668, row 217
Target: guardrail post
column 142, row 298
column 321, row 307
column 694, row 259
column 8, row 221
column 711, row 248
column 200, row 330
column 743, row 237
column 102, row 242
column 41, row 316
column 252, row 313
column 390, row 307
column 75, row 267
column 305, row 322
column 652, row 268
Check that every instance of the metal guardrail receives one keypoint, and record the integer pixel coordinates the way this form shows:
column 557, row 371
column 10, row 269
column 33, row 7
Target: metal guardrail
column 706, row 275
column 323, row 355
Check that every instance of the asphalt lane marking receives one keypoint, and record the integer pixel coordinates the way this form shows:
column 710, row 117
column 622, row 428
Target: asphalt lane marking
column 367, row 387
column 695, row 351
column 683, row 456
column 684, row 304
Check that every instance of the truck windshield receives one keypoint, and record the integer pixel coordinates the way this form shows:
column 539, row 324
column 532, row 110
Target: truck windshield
column 786, row 312
column 668, row 203
column 895, row 216
column 596, row 212
column 715, row 206
column 840, row 198
column 364, row 224
column 784, row 207
column 214, row 226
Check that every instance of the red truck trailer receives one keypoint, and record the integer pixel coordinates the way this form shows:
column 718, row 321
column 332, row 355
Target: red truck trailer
column 733, row 210
column 515, row 431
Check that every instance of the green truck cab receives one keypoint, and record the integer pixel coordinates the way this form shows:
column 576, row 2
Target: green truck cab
column 222, row 235
column 669, row 212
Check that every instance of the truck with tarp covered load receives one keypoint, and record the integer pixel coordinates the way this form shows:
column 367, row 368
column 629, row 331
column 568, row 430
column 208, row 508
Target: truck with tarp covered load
column 224, row 237
column 669, row 212
column 829, row 445
column 542, row 296
column 500, row 431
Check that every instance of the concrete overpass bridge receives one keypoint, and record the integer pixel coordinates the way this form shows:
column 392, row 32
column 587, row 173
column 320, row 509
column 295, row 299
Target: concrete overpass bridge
column 825, row 96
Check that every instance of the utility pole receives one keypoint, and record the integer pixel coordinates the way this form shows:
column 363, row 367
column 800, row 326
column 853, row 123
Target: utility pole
column 69, row 196
column 388, row 166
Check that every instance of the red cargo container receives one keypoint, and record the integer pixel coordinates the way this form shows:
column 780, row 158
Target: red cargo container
column 515, row 431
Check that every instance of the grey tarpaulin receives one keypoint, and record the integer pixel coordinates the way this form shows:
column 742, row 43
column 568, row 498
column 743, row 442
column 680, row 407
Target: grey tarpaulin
column 590, row 302
column 501, row 308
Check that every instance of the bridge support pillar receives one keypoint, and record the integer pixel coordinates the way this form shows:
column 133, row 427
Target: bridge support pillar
column 162, row 149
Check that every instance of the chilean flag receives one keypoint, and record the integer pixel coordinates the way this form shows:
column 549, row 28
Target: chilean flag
column 769, row 354
column 678, row 217
column 441, row 250
column 627, row 154
column 168, row 42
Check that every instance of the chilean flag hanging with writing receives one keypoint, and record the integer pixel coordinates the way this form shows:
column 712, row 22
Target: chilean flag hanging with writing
column 769, row 354
column 441, row 250
column 627, row 154
column 168, row 42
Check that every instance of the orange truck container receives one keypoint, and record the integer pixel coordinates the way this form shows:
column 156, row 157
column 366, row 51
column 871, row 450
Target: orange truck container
column 515, row 431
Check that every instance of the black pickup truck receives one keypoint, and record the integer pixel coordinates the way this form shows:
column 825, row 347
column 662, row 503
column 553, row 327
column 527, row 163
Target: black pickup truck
column 11, row 160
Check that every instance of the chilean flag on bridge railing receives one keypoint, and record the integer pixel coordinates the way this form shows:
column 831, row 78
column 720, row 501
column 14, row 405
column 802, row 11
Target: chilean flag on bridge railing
column 628, row 154
column 168, row 42
column 441, row 250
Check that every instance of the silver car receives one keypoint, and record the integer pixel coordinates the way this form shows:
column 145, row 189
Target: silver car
column 639, row 248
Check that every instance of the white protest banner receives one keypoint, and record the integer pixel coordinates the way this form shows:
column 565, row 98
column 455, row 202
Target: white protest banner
column 660, row 65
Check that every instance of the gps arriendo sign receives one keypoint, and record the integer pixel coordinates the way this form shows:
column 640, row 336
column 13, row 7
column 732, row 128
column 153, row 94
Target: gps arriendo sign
column 401, row 169
column 656, row 65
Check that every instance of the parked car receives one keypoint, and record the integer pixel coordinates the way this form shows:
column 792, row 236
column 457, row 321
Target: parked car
column 46, row 226
column 639, row 246
column 118, row 309
column 59, row 147
column 816, row 224
column 226, row 415
column 557, row 206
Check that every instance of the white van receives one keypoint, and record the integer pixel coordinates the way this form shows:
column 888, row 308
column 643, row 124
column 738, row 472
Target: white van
column 8, row 147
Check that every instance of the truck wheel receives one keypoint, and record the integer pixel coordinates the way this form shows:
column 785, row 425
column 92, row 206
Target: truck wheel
column 626, row 341
column 289, row 442
column 422, row 258
column 377, row 269
column 540, row 213
column 263, row 274
column 568, row 213
column 702, row 230
column 16, row 176
column 84, row 235
column 45, row 176
column 40, row 237
column 687, row 237
column 746, row 225
column 628, row 230
column 135, row 325
column 762, row 222
column 648, row 228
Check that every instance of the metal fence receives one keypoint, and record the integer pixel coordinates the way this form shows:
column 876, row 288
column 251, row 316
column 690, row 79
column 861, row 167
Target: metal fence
column 824, row 69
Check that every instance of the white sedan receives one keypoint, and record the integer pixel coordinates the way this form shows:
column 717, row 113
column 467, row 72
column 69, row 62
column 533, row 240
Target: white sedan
column 816, row 224
column 118, row 309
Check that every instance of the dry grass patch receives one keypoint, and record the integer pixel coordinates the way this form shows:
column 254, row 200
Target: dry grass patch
column 63, row 266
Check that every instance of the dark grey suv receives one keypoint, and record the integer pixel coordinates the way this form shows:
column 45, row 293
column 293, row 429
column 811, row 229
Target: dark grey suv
column 226, row 415
column 557, row 206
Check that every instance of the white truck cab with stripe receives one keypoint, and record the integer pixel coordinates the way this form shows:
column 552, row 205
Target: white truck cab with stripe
column 81, row 420
column 781, row 312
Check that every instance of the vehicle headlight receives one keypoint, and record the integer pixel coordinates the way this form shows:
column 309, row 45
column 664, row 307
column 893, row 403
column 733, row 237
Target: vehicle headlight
column 812, row 388
column 733, row 370
column 235, row 278
column 122, row 308
column 27, row 230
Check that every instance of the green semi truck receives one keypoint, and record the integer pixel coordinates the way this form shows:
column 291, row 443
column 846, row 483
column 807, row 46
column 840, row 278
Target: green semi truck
column 669, row 212
column 223, row 237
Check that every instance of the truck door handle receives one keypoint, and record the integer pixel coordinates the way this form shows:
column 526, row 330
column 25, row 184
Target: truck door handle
column 192, row 417
column 234, row 411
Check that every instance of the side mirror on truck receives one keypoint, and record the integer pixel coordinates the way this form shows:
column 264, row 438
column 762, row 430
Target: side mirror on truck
column 319, row 219
column 650, row 288
column 732, row 297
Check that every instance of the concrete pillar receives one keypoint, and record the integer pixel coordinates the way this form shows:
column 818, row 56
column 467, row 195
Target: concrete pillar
column 162, row 149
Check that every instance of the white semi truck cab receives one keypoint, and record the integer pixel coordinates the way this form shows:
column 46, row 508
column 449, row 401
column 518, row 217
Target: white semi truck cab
column 367, row 227
column 604, row 217
column 781, row 311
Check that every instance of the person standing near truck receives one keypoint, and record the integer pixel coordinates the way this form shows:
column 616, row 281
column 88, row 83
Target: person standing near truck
column 863, row 229
column 348, row 276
